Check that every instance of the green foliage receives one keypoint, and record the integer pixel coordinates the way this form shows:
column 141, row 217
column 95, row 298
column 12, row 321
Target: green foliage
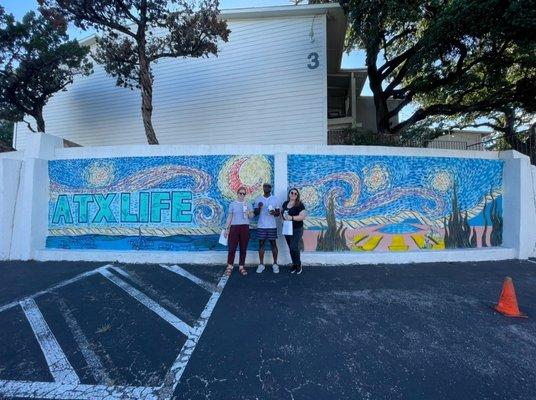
column 451, row 57
column 36, row 61
column 6, row 135
column 135, row 34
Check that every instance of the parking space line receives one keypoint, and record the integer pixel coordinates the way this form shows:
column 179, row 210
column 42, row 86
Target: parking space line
column 176, row 322
column 173, row 377
column 61, row 369
column 92, row 360
column 530, row 261
column 54, row 287
column 182, row 272
column 53, row 390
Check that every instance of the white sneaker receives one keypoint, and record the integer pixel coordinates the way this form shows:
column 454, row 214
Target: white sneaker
column 260, row 268
column 275, row 267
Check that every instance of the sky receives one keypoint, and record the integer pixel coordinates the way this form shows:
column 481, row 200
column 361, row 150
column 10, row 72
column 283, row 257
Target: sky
column 20, row 7
column 353, row 60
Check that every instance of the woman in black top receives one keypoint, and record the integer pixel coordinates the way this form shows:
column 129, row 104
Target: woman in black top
column 294, row 210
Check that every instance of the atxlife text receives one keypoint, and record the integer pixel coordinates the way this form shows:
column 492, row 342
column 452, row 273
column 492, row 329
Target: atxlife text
column 98, row 208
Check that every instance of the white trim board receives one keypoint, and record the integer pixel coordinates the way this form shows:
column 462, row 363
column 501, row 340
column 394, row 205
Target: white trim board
column 308, row 258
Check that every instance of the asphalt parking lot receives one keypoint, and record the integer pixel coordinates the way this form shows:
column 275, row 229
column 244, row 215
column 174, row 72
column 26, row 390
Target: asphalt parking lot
column 116, row 331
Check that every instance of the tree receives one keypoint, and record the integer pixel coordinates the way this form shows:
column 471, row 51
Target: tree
column 137, row 33
column 513, row 128
column 36, row 61
column 6, row 136
column 450, row 57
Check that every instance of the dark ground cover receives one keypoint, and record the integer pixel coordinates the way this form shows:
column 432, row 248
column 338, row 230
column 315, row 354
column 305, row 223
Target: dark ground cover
column 418, row 331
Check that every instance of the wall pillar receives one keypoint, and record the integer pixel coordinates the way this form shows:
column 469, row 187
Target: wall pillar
column 519, row 228
column 10, row 170
column 30, row 222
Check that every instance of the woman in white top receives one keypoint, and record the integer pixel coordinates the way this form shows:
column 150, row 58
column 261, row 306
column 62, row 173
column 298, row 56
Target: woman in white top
column 237, row 230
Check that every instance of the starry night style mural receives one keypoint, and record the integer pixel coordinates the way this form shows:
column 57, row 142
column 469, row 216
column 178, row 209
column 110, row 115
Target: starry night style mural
column 391, row 203
column 354, row 203
column 148, row 203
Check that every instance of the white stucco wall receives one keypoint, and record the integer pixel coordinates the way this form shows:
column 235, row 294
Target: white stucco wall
column 30, row 220
column 10, row 170
column 532, row 217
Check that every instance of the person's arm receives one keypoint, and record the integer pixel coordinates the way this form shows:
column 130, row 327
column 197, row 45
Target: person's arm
column 300, row 217
column 257, row 209
column 283, row 208
column 250, row 211
column 276, row 212
column 228, row 221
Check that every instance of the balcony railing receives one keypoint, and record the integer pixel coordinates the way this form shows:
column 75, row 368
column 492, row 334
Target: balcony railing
column 526, row 146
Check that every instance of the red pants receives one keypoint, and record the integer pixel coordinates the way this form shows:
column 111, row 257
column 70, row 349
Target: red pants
column 238, row 233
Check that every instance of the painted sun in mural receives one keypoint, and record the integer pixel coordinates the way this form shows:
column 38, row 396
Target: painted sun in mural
column 376, row 178
column 442, row 181
column 309, row 196
column 99, row 174
column 248, row 171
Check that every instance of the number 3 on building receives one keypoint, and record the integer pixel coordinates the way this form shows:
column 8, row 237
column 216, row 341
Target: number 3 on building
column 313, row 57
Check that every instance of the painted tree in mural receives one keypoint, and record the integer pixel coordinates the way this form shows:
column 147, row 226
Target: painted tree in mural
column 458, row 232
column 450, row 57
column 138, row 33
column 36, row 60
column 334, row 238
column 496, row 222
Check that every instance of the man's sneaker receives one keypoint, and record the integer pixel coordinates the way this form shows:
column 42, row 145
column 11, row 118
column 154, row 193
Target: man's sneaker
column 299, row 270
column 293, row 269
column 260, row 268
column 275, row 267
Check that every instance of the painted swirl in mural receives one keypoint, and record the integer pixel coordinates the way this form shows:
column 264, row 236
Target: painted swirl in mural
column 100, row 178
column 347, row 205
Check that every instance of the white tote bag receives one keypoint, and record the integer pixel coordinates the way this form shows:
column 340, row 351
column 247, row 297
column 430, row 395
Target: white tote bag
column 223, row 238
column 287, row 228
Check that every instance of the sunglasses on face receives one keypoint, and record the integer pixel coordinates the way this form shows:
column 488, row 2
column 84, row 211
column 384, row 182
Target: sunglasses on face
column 242, row 193
column 294, row 193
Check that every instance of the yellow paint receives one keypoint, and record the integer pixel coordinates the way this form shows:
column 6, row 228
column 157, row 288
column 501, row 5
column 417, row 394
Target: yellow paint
column 371, row 244
column 398, row 244
column 358, row 238
column 419, row 241
column 439, row 246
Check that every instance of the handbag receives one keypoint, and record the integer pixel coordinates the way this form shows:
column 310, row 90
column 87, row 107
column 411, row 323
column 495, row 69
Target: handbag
column 223, row 238
column 287, row 228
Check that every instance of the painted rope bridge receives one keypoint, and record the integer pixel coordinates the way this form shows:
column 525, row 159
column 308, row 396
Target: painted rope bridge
column 66, row 380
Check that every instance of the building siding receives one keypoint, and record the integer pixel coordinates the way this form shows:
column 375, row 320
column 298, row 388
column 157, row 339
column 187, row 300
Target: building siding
column 258, row 90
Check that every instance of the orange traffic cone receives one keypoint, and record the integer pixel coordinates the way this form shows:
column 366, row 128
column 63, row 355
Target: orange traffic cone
column 507, row 301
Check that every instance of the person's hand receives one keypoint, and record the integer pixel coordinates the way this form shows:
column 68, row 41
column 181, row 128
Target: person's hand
column 226, row 233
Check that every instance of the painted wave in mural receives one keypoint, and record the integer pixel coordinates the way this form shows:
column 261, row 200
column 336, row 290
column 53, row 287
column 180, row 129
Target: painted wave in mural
column 368, row 203
column 165, row 203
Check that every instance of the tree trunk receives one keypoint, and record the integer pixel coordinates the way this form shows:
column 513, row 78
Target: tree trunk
column 146, row 84
column 380, row 104
column 38, row 115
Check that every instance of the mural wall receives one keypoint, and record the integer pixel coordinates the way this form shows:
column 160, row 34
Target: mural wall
column 148, row 203
column 388, row 203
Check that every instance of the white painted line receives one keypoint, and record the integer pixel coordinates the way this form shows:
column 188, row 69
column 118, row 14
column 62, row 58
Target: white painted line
column 61, row 369
column 51, row 288
column 182, row 272
column 176, row 322
column 530, row 261
column 173, row 377
column 93, row 361
column 53, row 390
